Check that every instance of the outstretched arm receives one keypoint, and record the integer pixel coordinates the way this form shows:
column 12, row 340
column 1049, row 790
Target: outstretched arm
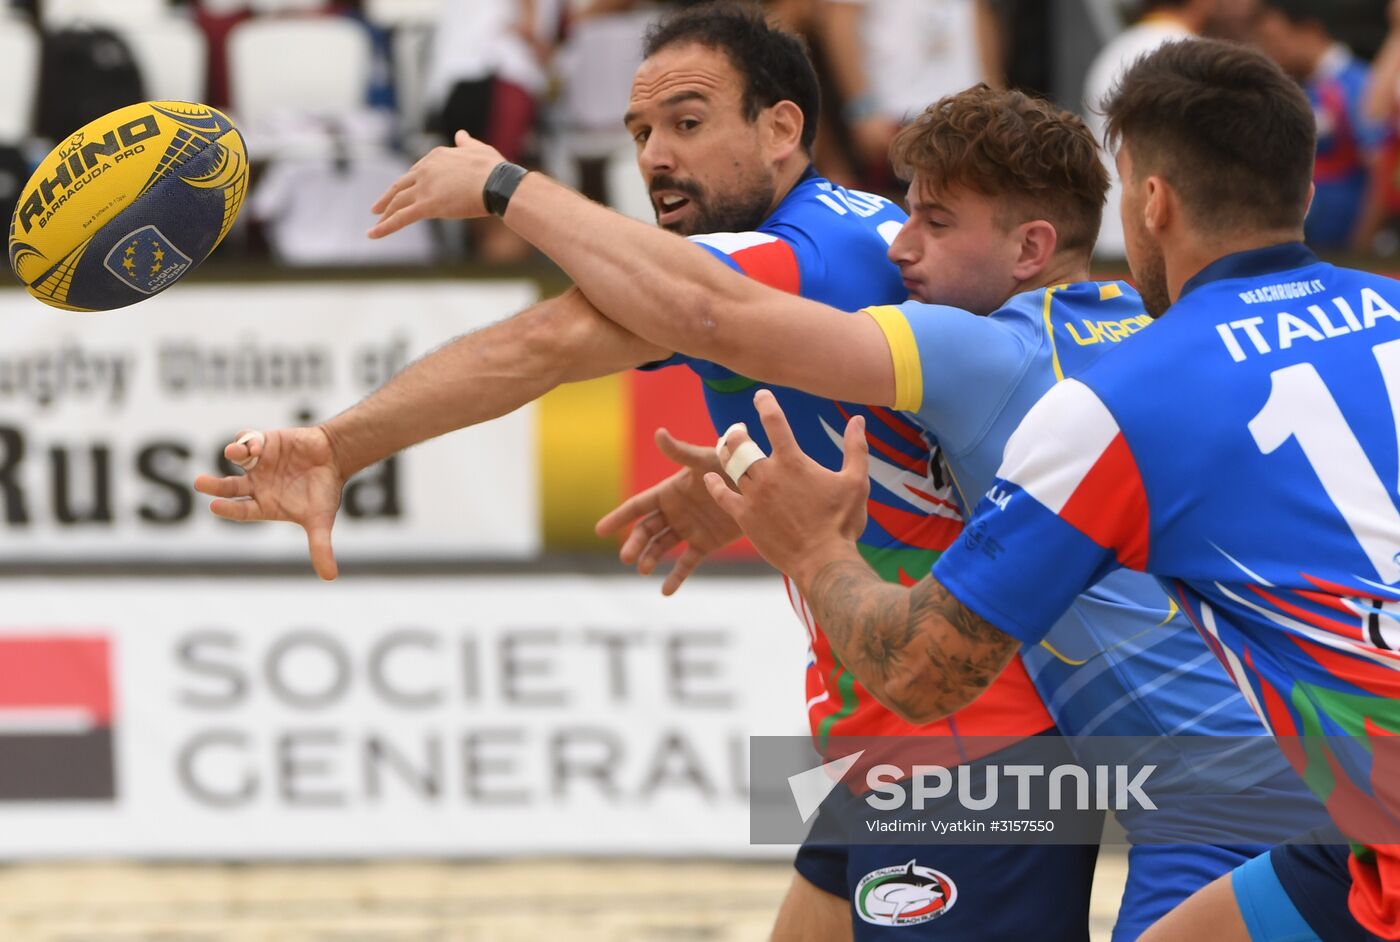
column 484, row 375
column 297, row 474
column 920, row 651
column 657, row 284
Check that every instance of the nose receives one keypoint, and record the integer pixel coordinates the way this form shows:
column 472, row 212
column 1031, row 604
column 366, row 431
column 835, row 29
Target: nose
column 656, row 157
column 904, row 250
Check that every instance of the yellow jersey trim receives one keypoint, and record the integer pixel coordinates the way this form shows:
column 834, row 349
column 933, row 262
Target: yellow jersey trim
column 1107, row 292
column 962, row 495
column 1050, row 332
column 1061, row 658
column 904, row 352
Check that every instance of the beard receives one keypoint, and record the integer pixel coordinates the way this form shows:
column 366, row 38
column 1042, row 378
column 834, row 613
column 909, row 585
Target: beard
column 1150, row 273
column 739, row 210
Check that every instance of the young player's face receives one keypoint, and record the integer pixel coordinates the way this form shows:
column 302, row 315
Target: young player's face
column 954, row 249
column 704, row 164
column 1145, row 258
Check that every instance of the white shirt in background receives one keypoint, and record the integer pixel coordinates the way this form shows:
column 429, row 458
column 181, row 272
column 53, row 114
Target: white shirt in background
column 475, row 39
column 1113, row 59
column 917, row 51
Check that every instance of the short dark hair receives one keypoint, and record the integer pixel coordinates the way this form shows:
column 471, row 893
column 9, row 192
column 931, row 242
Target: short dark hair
column 1232, row 134
column 773, row 64
column 1039, row 160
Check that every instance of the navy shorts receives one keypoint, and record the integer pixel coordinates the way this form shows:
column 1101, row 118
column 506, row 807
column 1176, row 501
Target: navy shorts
column 1161, row 876
column 950, row 891
column 1316, row 879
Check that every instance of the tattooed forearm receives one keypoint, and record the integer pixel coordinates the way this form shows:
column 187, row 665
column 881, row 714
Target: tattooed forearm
column 918, row 650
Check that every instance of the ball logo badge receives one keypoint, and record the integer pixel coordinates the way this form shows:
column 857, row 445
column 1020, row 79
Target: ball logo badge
column 904, row 895
column 147, row 261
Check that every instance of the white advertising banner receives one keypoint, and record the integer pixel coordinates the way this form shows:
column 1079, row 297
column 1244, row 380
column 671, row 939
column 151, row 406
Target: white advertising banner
column 105, row 419
column 265, row 718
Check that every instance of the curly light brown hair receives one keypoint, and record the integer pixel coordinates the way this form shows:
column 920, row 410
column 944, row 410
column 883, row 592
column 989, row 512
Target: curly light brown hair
column 1036, row 160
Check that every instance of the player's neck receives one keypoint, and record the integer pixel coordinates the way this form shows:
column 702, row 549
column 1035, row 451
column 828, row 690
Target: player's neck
column 1187, row 259
column 1062, row 270
column 785, row 177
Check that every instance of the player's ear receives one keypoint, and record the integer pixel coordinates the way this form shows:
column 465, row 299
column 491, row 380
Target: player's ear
column 1038, row 242
column 785, row 124
column 1160, row 205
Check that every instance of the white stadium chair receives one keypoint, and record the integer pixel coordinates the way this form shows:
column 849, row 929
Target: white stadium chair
column 172, row 54
column 19, row 76
column 395, row 13
column 56, row 13
column 411, row 47
column 169, row 49
column 316, row 65
column 595, row 69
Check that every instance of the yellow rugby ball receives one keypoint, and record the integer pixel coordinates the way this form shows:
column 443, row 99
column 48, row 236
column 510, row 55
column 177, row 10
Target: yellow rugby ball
column 128, row 205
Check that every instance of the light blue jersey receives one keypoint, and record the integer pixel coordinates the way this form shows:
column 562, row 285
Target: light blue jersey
column 1122, row 661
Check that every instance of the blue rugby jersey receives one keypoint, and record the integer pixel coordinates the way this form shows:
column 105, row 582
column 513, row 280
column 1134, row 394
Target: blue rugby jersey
column 1244, row 451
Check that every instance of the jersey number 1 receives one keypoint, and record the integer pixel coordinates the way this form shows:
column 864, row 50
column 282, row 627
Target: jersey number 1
column 1301, row 406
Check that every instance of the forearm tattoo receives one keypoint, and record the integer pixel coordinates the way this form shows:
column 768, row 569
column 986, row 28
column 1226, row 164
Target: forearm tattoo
column 919, row 649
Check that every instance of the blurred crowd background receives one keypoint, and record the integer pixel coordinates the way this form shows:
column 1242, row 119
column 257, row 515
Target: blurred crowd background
column 337, row 98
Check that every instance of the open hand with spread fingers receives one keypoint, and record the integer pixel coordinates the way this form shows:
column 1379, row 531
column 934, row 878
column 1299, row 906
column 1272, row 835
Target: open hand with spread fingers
column 786, row 503
column 289, row 474
column 446, row 183
column 678, row 512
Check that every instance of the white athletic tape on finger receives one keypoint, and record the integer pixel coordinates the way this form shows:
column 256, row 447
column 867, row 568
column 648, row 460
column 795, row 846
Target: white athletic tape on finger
column 251, row 462
column 738, row 463
column 719, row 445
column 743, row 458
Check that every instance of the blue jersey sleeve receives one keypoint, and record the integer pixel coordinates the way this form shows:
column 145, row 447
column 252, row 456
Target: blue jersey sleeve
column 1068, row 507
column 950, row 367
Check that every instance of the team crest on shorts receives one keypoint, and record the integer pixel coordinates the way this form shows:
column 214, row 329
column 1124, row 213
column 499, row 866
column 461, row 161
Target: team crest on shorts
column 146, row 260
column 904, row 895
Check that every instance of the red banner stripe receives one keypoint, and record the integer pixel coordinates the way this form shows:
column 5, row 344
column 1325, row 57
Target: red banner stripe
column 44, row 672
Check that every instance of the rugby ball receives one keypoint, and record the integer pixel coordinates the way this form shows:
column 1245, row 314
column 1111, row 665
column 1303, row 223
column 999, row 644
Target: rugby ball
column 128, row 205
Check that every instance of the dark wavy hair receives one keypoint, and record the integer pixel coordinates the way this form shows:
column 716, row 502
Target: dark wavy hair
column 1233, row 135
column 773, row 64
column 1039, row 161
